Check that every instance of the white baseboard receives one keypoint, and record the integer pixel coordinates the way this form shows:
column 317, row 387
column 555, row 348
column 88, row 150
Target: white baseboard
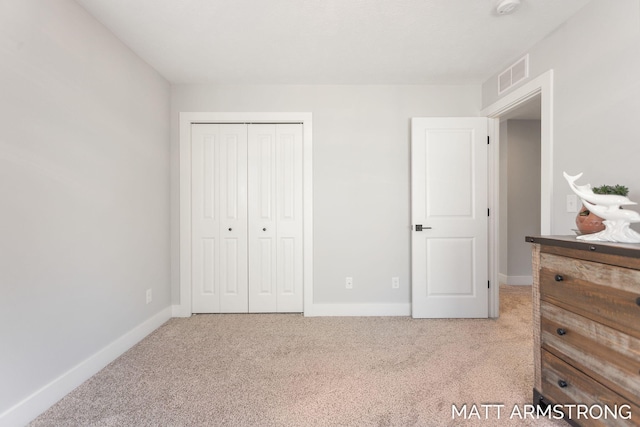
column 180, row 311
column 334, row 310
column 515, row 280
column 401, row 309
column 29, row 408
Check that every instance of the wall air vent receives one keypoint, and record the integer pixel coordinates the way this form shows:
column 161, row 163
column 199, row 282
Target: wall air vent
column 514, row 74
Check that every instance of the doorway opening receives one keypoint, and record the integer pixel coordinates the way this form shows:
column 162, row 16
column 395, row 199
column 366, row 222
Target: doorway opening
column 519, row 191
column 540, row 88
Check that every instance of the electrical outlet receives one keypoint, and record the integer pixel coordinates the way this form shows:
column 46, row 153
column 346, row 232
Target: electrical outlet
column 572, row 203
column 348, row 283
column 395, row 282
column 149, row 296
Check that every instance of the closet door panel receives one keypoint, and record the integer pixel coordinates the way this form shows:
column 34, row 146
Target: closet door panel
column 289, row 217
column 262, row 212
column 219, row 218
column 233, row 195
column 205, row 221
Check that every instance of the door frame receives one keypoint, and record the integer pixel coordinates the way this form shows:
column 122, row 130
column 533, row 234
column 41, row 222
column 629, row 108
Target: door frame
column 189, row 118
column 543, row 86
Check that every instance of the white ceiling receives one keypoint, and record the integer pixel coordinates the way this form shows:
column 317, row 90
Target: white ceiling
column 328, row 41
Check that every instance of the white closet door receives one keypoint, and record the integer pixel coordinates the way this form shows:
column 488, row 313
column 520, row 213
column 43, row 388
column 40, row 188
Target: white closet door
column 262, row 219
column 275, row 218
column 219, row 218
column 289, row 217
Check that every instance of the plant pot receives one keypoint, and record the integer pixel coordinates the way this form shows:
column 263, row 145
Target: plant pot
column 588, row 223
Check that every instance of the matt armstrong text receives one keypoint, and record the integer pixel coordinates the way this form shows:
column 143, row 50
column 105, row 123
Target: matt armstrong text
column 496, row 411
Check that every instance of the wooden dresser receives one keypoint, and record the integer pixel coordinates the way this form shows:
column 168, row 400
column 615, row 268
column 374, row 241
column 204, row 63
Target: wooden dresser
column 586, row 317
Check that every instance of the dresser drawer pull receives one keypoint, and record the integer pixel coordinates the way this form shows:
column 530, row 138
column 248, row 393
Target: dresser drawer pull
column 559, row 278
column 561, row 331
column 562, row 383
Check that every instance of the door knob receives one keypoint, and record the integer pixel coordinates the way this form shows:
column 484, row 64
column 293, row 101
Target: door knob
column 230, row 228
column 419, row 227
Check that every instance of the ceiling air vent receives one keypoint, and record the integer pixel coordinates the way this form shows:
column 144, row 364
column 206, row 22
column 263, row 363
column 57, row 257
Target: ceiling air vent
column 514, row 74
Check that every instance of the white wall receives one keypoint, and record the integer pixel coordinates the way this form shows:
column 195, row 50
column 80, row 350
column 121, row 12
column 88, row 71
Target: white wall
column 596, row 66
column 360, row 174
column 523, row 195
column 84, row 193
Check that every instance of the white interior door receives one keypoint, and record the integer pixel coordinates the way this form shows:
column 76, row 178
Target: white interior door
column 275, row 218
column 449, row 261
column 219, row 218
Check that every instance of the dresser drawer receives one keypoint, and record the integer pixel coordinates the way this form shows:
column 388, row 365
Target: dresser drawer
column 606, row 354
column 564, row 385
column 604, row 293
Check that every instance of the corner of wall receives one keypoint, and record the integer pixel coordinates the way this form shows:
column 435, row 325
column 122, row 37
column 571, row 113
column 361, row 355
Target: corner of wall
column 29, row 408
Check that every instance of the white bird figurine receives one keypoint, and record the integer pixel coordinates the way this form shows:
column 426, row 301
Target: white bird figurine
column 613, row 215
column 607, row 206
column 586, row 193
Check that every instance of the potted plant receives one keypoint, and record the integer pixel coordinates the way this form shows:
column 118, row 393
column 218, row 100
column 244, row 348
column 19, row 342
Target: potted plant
column 588, row 222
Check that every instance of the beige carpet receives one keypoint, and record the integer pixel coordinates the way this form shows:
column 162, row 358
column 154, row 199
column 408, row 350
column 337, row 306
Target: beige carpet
column 287, row 370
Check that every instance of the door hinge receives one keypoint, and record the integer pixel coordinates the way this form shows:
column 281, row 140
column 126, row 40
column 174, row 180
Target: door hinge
column 488, row 284
column 488, row 140
column 488, row 212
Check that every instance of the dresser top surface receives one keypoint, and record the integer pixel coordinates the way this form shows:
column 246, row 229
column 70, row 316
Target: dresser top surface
column 625, row 249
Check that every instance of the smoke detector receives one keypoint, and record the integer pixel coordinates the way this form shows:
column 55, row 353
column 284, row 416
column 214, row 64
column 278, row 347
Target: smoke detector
column 506, row 7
